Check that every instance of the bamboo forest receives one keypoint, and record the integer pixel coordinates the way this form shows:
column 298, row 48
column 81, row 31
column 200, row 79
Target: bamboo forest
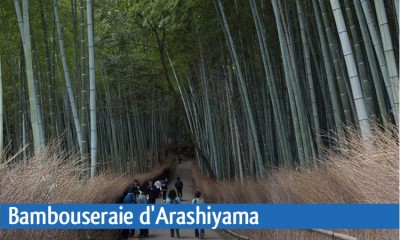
column 299, row 98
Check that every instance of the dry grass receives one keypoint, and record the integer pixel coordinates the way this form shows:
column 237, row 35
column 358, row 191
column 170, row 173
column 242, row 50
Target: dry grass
column 354, row 173
column 54, row 176
column 357, row 172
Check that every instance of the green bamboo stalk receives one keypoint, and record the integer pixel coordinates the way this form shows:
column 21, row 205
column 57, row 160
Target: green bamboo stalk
column 22, row 107
column 396, row 8
column 365, row 81
column 92, row 90
column 24, row 138
column 111, row 128
column 19, row 19
column 389, row 54
column 293, row 71
column 49, row 73
column 84, row 101
column 209, row 125
column 309, row 77
column 244, row 93
column 290, row 86
column 130, row 140
column 373, row 31
column 188, row 124
column 15, row 136
column 76, row 74
column 69, row 139
column 67, row 77
column 1, row 115
column 234, row 127
column 319, row 69
column 338, row 123
column 37, row 76
column 55, row 74
column 24, row 27
column 358, row 97
column 372, row 63
column 277, row 109
column 341, row 75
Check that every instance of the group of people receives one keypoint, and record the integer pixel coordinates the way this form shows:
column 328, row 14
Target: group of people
column 149, row 195
column 135, row 196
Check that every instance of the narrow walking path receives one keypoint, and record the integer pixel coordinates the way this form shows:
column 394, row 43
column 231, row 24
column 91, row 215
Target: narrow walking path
column 183, row 171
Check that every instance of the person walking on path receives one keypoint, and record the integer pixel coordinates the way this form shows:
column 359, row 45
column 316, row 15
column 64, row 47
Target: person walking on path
column 164, row 188
column 184, row 171
column 198, row 200
column 142, row 200
column 179, row 187
column 152, row 193
column 173, row 199
column 130, row 198
column 157, row 184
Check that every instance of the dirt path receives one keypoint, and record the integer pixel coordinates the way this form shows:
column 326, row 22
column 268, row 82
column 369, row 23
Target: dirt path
column 183, row 171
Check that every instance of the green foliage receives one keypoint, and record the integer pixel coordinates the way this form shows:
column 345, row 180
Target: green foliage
column 130, row 35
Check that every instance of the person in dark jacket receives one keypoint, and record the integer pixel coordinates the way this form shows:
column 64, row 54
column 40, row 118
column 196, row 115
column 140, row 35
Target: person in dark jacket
column 179, row 187
column 152, row 192
column 164, row 188
column 130, row 198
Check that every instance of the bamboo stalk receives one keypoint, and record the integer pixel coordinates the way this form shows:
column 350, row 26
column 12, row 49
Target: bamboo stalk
column 389, row 53
column 24, row 27
column 358, row 97
column 67, row 77
column 271, row 86
column 84, row 96
column 243, row 91
column 239, row 237
column 1, row 115
column 92, row 91
column 334, row 234
column 373, row 32
column 372, row 63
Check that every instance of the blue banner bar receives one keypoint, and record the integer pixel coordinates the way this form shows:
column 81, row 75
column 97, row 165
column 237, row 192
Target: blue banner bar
column 207, row 216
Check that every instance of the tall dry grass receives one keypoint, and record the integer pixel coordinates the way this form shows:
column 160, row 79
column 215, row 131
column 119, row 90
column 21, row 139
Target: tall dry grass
column 355, row 172
column 55, row 176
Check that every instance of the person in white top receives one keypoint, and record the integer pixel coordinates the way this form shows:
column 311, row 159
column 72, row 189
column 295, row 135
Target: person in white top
column 157, row 184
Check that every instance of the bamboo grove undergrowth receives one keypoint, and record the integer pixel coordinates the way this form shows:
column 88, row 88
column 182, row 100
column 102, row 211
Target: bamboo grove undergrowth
column 355, row 173
column 277, row 97
column 252, row 85
column 70, row 97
